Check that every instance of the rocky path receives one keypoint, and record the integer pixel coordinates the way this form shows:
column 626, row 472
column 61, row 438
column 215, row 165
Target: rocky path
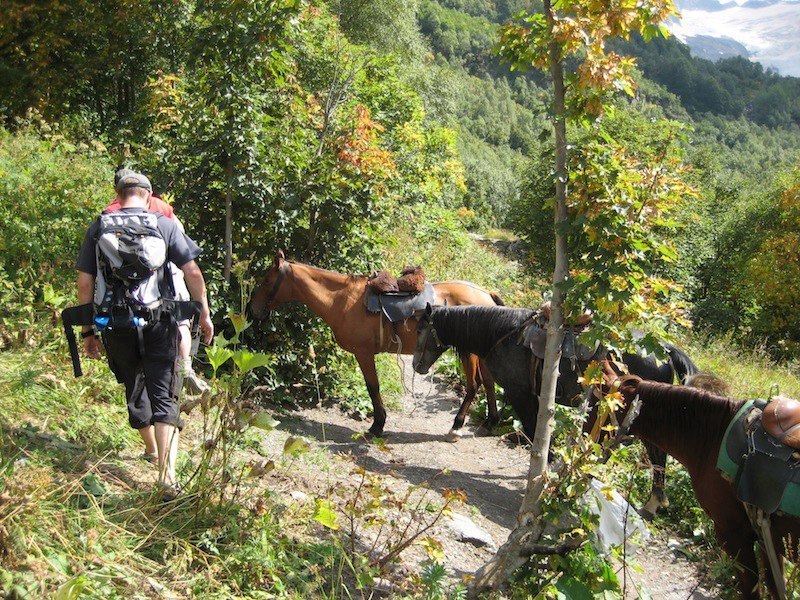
column 490, row 471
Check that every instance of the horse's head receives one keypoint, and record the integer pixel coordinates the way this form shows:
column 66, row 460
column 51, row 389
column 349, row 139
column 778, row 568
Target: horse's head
column 623, row 392
column 272, row 291
column 568, row 386
column 428, row 348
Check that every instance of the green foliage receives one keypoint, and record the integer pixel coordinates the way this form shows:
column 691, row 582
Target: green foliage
column 733, row 87
column 624, row 195
column 389, row 26
column 737, row 240
column 464, row 40
column 50, row 190
column 86, row 59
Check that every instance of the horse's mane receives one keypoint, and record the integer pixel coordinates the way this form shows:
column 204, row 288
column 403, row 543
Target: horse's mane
column 692, row 414
column 476, row 328
column 347, row 276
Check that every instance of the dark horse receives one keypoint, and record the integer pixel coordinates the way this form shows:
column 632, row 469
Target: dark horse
column 338, row 299
column 690, row 425
column 491, row 333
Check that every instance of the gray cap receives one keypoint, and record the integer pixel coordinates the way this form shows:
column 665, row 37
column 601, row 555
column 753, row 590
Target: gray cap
column 120, row 173
column 130, row 179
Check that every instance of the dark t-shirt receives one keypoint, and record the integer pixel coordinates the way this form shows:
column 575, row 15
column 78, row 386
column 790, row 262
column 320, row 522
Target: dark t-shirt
column 180, row 248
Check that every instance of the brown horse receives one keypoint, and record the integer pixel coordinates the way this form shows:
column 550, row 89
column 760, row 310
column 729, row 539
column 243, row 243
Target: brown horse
column 338, row 300
column 689, row 424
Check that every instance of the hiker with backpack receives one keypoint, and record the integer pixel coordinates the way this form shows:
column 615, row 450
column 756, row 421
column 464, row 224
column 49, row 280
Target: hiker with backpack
column 191, row 380
column 123, row 269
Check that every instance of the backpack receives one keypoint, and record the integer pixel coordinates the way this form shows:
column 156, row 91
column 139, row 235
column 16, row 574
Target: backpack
column 131, row 260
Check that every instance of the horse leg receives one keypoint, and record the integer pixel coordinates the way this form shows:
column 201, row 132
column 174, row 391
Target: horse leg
column 527, row 409
column 658, row 496
column 738, row 544
column 470, row 364
column 367, row 364
column 491, row 396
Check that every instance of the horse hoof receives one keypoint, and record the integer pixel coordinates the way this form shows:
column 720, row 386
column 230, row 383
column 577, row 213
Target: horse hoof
column 453, row 435
column 652, row 506
column 645, row 514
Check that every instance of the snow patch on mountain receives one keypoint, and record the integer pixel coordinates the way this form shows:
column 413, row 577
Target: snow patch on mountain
column 768, row 29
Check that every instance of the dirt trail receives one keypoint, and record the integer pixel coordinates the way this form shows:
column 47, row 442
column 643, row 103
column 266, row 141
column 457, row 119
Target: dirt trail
column 487, row 469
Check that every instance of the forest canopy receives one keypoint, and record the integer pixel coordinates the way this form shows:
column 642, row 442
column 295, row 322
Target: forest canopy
column 319, row 122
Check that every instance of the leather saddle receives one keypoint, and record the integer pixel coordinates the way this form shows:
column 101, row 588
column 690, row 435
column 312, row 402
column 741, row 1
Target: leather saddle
column 399, row 306
column 764, row 469
column 534, row 337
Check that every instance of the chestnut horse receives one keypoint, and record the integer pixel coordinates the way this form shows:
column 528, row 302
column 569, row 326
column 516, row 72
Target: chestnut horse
column 690, row 424
column 338, row 299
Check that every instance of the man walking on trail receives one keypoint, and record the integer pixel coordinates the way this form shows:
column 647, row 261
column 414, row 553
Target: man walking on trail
column 191, row 381
column 123, row 266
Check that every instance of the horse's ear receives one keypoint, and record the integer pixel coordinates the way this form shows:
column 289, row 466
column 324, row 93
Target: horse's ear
column 278, row 258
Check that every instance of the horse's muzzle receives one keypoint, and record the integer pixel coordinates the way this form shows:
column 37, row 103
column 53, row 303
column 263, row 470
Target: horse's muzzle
column 419, row 367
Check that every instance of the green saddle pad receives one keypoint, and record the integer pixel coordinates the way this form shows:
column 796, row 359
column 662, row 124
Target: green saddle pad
column 765, row 472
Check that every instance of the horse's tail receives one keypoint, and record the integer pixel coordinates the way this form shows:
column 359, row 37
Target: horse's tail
column 683, row 365
column 497, row 299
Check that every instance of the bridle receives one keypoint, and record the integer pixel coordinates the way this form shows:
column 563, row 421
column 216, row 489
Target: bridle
column 605, row 415
column 276, row 286
column 431, row 331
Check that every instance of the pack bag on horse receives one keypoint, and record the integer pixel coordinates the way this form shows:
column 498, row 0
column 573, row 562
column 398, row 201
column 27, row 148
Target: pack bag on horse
column 743, row 463
column 511, row 342
column 365, row 323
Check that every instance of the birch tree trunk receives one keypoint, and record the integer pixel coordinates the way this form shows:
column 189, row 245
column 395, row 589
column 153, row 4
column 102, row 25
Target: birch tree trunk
column 518, row 548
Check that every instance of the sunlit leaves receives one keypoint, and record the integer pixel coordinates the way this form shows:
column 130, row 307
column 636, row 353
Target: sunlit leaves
column 247, row 361
column 620, row 202
column 218, row 356
column 294, row 446
column 222, row 350
column 433, row 548
column 263, row 420
column 240, row 323
column 772, row 274
column 581, row 30
column 325, row 515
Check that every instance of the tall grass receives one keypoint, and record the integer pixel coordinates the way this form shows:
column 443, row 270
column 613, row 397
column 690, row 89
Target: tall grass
column 750, row 372
column 79, row 515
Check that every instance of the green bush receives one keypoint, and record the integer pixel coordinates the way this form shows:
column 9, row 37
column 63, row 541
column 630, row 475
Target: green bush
column 50, row 190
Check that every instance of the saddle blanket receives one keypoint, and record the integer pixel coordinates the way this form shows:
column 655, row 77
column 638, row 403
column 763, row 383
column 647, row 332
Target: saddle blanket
column 399, row 306
column 766, row 472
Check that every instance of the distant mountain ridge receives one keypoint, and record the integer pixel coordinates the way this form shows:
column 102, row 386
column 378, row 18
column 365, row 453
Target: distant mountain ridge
column 766, row 31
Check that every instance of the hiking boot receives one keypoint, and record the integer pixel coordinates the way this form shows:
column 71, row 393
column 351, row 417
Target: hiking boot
column 169, row 492
column 193, row 383
column 152, row 458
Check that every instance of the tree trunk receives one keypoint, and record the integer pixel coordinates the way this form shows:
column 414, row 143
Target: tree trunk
column 228, row 222
column 513, row 554
column 555, row 330
column 312, row 233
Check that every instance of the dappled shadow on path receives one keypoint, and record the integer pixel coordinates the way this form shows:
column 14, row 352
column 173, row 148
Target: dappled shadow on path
column 496, row 494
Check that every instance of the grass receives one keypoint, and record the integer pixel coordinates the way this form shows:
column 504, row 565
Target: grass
column 447, row 253
column 750, row 373
column 495, row 233
column 77, row 511
column 79, row 516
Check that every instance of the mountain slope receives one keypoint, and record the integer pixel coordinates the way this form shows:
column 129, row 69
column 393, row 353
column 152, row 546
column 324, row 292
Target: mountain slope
column 768, row 31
